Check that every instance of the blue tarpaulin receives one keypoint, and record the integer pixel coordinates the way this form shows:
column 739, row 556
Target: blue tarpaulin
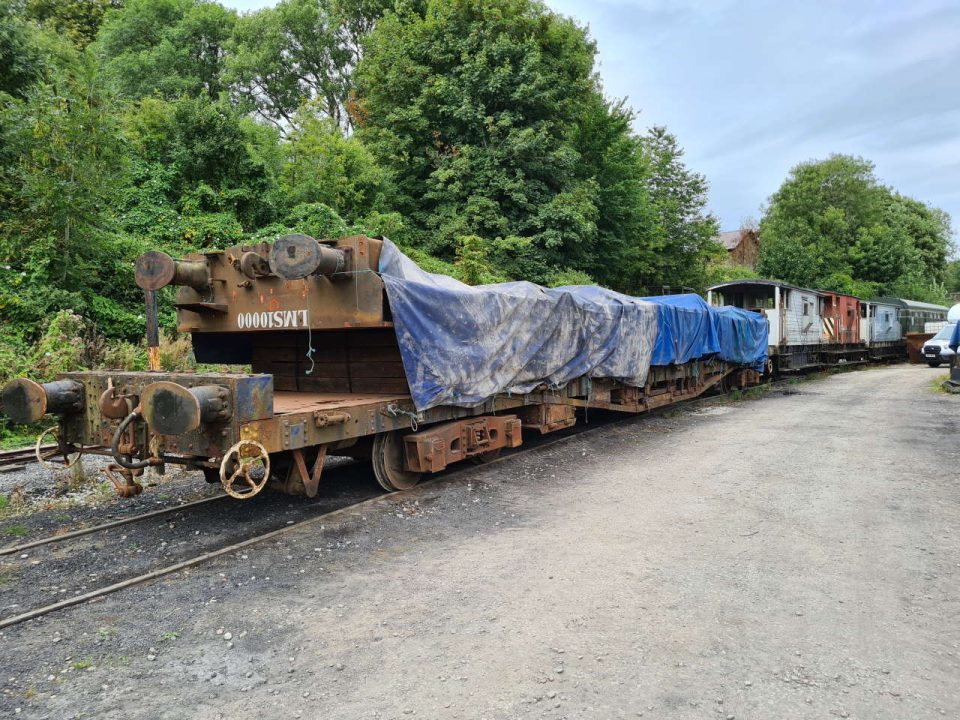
column 744, row 336
column 462, row 345
column 686, row 329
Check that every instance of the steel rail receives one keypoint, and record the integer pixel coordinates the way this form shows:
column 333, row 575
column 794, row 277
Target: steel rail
column 11, row 549
column 11, row 457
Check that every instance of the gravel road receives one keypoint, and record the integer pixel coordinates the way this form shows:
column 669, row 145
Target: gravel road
column 791, row 557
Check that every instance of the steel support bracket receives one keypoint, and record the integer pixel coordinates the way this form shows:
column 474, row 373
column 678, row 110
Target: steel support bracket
column 433, row 449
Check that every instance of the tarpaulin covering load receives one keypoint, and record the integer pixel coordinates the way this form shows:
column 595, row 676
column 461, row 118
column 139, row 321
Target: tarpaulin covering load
column 688, row 329
column 744, row 336
column 462, row 345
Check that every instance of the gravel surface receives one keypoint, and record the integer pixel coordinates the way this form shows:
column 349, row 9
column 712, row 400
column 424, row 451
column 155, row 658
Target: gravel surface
column 793, row 557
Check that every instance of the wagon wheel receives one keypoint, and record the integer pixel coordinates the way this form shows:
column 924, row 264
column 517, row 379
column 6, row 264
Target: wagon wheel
column 388, row 465
column 45, row 457
column 245, row 469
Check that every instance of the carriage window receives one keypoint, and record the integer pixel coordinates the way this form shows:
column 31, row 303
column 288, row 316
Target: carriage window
column 806, row 308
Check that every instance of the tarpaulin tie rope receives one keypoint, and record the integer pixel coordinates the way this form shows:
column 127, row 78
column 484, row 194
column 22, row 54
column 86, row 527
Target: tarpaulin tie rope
column 393, row 410
column 310, row 349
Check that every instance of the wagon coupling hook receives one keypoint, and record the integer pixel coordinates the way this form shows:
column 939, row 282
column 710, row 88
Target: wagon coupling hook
column 123, row 460
column 125, row 487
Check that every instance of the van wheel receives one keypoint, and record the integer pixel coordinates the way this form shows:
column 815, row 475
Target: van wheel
column 933, row 364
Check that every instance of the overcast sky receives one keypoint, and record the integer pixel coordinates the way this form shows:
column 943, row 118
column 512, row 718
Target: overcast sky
column 751, row 88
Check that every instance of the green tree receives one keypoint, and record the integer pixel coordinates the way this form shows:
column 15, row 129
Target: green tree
column 928, row 229
column 495, row 87
column 166, row 47
column 613, row 158
column 57, row 234
column 472, row 264
column 21, row 59
column 684, row 232
column 78, row 20
column 832, row 224
column 323, row 165
column 301, row 50
column 197, row 158
column 952, row 280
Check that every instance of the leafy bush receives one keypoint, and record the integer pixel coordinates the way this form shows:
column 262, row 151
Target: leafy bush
column 64, row 347
column 317, row 220
column 471, row 261
column 211, row 230
column 122, row 355
column 176, row 353
column 567, row 276
column 726, row 272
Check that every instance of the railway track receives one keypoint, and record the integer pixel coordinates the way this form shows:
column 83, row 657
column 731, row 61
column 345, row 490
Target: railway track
column 243, row 514
column 11, row 460
column 79, row 532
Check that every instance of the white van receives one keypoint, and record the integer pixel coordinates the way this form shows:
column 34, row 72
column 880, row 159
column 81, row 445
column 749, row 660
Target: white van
column 937, row 350
column 933, row 348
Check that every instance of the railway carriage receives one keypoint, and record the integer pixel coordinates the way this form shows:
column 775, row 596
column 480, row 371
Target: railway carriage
column 819, row 328
column 881, row 330
column 916, row 316
column 353, row 350
column 794, row 314
column 841, row 342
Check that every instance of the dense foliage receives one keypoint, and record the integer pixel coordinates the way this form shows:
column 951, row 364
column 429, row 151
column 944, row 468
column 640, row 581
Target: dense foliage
column 832, row 225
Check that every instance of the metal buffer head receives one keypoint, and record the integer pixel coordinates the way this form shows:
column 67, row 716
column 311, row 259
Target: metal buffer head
column 171, row 409
column 293, row 257
column 25, row 401
column 155, row 270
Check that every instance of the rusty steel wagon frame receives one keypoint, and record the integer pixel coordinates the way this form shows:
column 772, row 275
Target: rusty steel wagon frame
column 312, row 321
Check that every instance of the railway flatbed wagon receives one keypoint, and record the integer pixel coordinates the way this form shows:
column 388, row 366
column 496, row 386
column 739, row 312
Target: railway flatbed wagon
column 354, row 350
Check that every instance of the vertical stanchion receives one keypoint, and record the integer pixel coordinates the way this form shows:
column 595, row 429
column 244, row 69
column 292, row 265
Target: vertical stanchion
column 153, row 330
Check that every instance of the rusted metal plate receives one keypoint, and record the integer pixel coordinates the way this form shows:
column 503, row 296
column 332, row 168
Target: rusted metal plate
column 262, row 304
column 297, row 256
column 172, row 409
column 24, row 401
column 154, row 270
